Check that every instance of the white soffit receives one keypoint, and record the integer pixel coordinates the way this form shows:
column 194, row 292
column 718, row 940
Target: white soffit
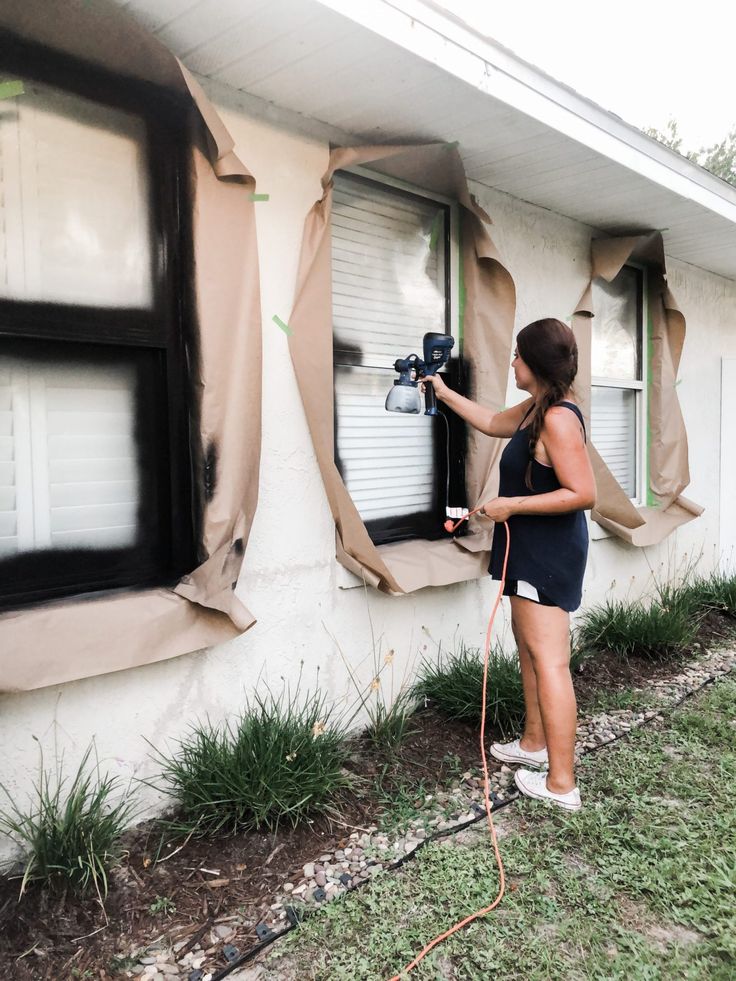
column 401, row 70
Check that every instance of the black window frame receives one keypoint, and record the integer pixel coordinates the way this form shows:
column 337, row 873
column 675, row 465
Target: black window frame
column 448, row 442
column 160, row 341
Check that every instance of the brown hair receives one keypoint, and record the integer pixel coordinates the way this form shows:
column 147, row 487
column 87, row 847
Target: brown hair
column 550, row 351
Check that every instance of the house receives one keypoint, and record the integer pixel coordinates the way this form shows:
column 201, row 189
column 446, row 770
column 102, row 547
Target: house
column 201, row 491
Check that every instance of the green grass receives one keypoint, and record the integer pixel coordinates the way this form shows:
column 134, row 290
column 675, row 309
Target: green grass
column 70, row 834
column 454, row 686
column 281, row 761
column 637, row 886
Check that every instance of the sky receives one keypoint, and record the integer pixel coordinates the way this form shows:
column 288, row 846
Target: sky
column 647, row 61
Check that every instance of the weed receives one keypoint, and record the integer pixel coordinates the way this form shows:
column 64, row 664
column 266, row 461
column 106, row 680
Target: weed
column 578, row 657
column 454, row 685
column 162, row 904
column 399, row 800
column 280, row 761
column 634, row 629
column 452, row 764
column 124, row 962
column 627, row 698
column 71, row 837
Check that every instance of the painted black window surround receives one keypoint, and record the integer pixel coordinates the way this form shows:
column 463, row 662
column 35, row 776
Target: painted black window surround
column 95, row 396
column 392, row 269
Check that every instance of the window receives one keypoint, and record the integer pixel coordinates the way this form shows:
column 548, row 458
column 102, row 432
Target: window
column 618, row 394
column 392, row 255
column 95, row 466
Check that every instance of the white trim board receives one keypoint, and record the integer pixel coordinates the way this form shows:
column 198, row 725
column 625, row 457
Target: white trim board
column 727, row 531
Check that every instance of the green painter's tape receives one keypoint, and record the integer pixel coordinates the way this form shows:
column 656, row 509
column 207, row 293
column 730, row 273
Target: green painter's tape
column 260, row 197
column 652, row 501
column 9, row 90
column 285, row 327
column 460, row 290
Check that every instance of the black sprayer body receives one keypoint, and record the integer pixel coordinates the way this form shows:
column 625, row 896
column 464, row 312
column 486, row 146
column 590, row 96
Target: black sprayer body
column 404, row 396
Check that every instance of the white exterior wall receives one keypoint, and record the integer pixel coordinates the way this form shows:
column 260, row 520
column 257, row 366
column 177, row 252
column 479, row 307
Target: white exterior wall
column 291, row 580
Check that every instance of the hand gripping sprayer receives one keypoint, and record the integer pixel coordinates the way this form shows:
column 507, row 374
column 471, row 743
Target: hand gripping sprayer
column 404, row 395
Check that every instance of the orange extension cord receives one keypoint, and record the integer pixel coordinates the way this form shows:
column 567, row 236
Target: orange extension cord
column 486, row 783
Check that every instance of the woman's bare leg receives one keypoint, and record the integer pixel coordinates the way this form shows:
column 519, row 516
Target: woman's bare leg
column 533, row 738
column 545, row 634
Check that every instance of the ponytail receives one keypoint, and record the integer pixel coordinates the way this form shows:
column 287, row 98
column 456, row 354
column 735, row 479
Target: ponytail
column 549, row 350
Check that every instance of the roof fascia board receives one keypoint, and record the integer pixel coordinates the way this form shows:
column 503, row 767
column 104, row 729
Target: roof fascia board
column 493, row 70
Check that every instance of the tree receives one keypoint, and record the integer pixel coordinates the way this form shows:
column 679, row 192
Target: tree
column 719, row 159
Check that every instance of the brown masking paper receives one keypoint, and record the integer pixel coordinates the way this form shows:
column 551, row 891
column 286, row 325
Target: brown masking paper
column 669, row 472
column 75, row 638
column 487, row 339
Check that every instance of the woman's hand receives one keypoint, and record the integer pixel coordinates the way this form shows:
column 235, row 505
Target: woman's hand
column 500, row 508
column 437, row 383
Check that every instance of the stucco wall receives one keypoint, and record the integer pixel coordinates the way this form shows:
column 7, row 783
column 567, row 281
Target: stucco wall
column 291, row 580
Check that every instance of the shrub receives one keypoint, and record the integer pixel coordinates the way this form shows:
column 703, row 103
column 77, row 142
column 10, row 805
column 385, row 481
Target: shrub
column 71, row 838
column 455, row 687
column 635, row 629
column 280, row 761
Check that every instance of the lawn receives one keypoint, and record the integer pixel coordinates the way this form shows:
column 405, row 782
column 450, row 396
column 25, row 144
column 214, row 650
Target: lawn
column 640, row 884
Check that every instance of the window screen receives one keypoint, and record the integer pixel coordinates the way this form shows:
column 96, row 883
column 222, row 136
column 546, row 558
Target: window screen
column 390, row 285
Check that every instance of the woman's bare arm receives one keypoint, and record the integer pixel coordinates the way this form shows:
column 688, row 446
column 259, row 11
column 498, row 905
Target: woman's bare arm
column 501, row 424
column 565, row 447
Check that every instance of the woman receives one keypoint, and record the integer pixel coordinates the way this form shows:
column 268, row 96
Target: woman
column 546, row 482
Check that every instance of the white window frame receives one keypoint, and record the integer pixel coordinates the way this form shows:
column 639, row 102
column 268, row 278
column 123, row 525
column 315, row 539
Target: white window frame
column 454, row 260
column 641, row 389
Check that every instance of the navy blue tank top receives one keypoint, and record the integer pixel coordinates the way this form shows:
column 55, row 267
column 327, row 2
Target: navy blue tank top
column 547, row 550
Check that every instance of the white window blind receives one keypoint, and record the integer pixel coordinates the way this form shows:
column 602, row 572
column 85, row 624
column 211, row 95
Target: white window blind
column 68, row 463
column 613, row 431
column 74, row 202
column 389, row 258
column 618, row 394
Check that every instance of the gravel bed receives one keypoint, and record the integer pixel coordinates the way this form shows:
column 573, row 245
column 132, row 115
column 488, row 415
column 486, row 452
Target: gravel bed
column 372, row 851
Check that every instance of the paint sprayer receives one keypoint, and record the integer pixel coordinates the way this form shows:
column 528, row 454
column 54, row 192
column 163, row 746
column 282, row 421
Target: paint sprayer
column 404, row 397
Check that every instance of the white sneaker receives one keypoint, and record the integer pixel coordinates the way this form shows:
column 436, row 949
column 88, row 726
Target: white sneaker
column 513, row 753
column 535, row 785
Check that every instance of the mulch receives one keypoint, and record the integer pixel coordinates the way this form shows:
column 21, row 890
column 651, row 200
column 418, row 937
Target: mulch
column 213, row 881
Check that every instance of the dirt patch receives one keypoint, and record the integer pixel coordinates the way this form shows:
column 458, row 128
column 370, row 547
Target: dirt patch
column 672, row 935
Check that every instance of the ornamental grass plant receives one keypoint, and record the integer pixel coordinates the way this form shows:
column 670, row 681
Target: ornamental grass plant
column 637, row 629
column 280, row 761
column 454, row 685
column 70, row 834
